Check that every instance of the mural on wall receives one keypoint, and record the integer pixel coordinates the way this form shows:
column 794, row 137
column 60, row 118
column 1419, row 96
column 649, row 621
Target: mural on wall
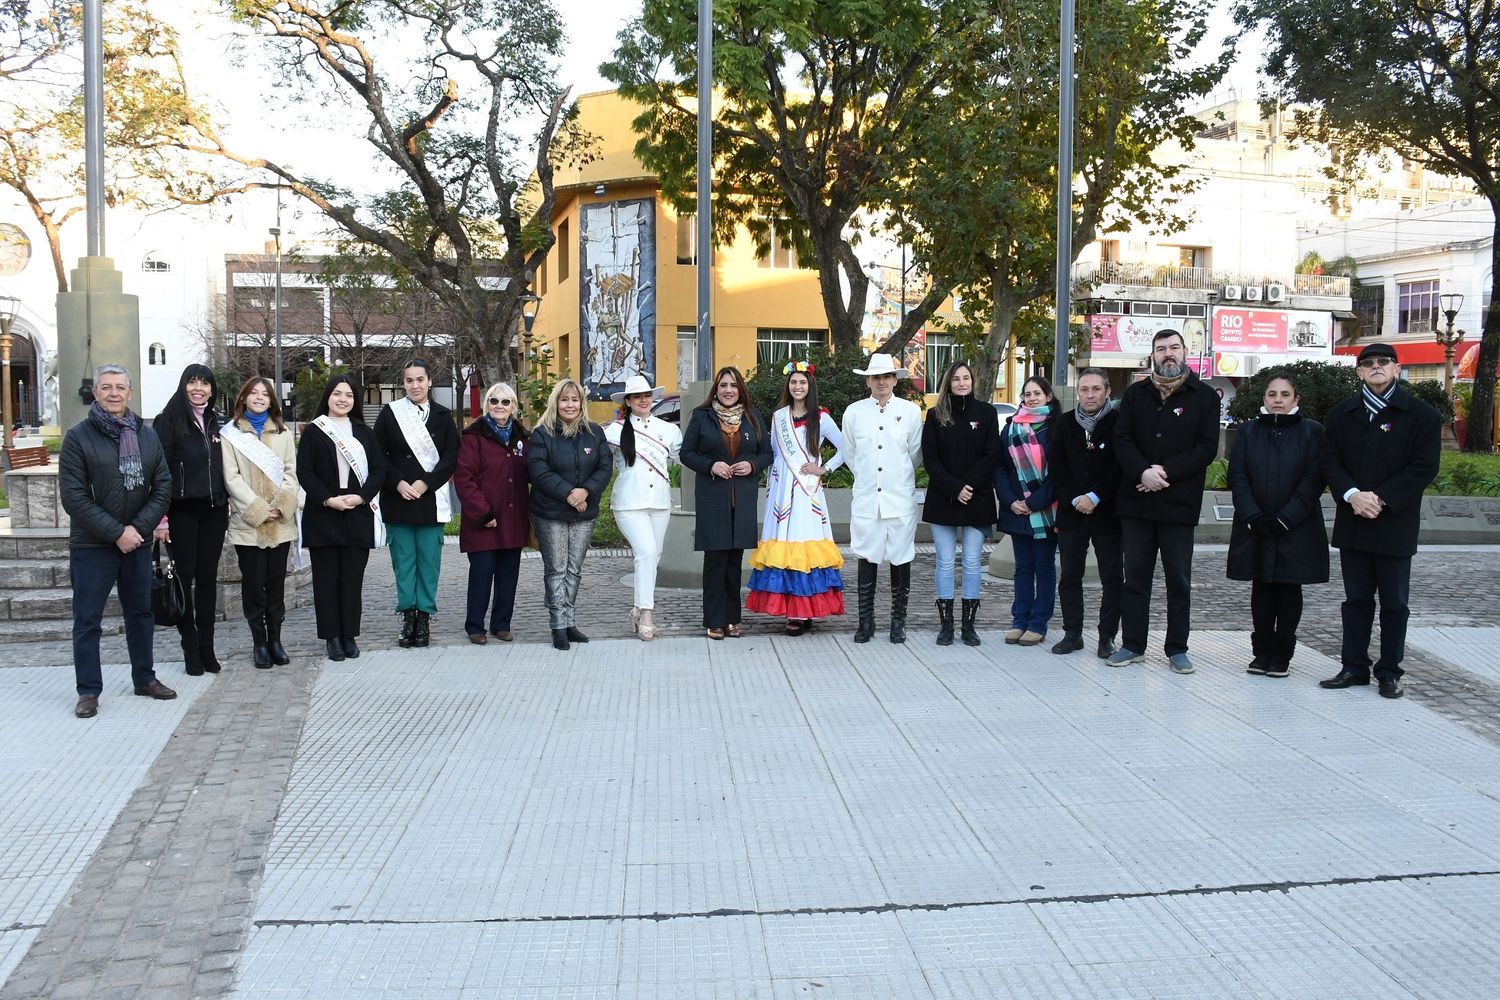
column 617, row 293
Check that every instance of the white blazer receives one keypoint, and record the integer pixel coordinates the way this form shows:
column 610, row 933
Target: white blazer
column 644, row 485
column 883, row 449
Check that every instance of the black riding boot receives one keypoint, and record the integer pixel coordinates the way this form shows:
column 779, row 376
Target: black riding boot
column 422, row 635
column 273, row 642
column 971, row 617
column 191, row 659
column 408, row 628
column 900, row 591
column 262, row 649
column 867, row 576
column 945, row 621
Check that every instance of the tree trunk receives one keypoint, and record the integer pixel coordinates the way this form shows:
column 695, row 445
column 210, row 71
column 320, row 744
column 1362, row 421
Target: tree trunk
column 996, row 339
column 1482, row 402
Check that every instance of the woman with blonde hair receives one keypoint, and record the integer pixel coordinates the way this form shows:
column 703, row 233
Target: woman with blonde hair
column 491, row 483
column 260, row 473
column 569, row 463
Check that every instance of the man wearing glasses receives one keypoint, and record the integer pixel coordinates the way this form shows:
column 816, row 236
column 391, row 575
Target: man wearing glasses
column 1380, row 451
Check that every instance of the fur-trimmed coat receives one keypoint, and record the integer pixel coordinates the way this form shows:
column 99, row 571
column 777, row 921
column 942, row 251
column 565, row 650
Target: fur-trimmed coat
column 252, row 494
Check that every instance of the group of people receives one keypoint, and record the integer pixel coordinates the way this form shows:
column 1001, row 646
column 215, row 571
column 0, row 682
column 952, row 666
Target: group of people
column 1124, row 478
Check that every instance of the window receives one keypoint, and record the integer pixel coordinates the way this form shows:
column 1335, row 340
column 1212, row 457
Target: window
column 687, row 355
column 152, row 264
column 1151, row 309
column 781, row 256
column 1109, row 251
column 1192, row 256
column 778, row 346
column 562, row 250
column 687, row 244
column 939, row 353
column 156, row 354
column 1417, row 306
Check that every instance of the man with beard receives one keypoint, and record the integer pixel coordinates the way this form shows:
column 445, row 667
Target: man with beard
column 1166, row 434
column 1085, row 478
column 1380, row 451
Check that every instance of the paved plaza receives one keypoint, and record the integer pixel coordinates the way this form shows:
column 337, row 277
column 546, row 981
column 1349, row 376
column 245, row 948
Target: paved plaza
column 768, row 817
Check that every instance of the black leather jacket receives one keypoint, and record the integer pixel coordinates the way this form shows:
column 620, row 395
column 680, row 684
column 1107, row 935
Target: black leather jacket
column 93, row 491
column 194, row 459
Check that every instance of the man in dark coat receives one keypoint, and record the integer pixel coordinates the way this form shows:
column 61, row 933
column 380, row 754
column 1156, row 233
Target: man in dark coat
column 1380, row 451
column 115, row 486
column 1085, row 479
column 1166, row 434
column 420, row 444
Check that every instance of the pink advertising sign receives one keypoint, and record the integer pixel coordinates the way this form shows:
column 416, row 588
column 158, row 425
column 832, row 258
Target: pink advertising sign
column 1130, row 337
column 1272, row 331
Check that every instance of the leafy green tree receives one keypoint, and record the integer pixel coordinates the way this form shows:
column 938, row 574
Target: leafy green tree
column 838, row 386
column 1321, row 386
column 1418, row 77
column 818, row 104
column 982, row 183
column 308, row 387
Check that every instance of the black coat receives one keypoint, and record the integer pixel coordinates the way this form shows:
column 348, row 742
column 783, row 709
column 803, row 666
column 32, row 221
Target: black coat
column 726, row 508
column 964, row 453
column 559, row 464
column 318, row 474
column 194, row 457
column 402, row 464
column 1179, row 433
column 1276, row 473
column 1395, row 455
column 93, row 491
column 1079, row 464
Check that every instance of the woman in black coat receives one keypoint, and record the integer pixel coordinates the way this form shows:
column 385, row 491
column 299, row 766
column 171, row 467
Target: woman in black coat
column 727, row 444
column 569, row 462
column 199, row 516
column 960, row 449
column 341, row 468
column 1278, row 541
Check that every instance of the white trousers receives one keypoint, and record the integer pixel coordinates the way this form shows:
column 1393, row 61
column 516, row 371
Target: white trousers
column 884, row 539
column 645, row 529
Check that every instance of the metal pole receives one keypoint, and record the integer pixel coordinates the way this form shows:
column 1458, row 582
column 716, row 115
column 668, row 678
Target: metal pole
column 705, row 186
column 93, row 123
column 277, row 233
column 6, row 413
column 1064, row 196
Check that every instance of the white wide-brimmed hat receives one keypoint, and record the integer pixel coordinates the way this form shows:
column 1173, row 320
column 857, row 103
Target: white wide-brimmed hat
column 882, row 364
column 636, row 384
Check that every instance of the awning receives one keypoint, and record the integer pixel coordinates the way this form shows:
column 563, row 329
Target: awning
column 1418, row 352
column 1343, row 314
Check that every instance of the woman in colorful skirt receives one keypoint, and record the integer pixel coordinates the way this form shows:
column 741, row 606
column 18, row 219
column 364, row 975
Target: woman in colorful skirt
column 795, row 570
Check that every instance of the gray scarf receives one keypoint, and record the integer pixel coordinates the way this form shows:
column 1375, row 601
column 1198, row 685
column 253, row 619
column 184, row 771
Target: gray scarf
column 1089, row 420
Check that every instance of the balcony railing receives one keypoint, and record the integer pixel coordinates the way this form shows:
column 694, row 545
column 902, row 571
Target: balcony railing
column 1136, row 275
column 1319, row 284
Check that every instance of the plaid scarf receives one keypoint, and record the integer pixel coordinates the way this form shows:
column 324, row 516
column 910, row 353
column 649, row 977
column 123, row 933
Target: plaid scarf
column 125, row 431
column 1030, row 459
column 1374, row 402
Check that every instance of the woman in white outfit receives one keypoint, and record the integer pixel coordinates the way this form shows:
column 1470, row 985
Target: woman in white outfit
column 645, row 448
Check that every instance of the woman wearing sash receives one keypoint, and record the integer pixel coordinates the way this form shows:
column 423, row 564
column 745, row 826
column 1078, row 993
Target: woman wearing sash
column 1028, row 510
column 644, row 449
column 795, row 570
column 496, row 523
column 261, row 476
column 341, row 468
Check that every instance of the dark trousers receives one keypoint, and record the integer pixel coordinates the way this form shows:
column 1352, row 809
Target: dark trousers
column 721, row 587
column 1275, row 613
column 494, row 572
column 95, row 573
column 197, row 543
column 338, row 573
column 263, row 581
column 1072, row 556
column 1141, row 540
column 1365, row 575
column 1035, row 583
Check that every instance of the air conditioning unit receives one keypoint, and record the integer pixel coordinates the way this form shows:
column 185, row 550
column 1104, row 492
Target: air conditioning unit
column 1252, row 293
column 1276, row 293
column 1232, row 293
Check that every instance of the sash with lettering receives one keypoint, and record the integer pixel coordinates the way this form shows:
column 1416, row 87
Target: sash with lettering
column 414, row 429
column 792, row 446
column 359, row 463
column 268, row 462
column 658, row 448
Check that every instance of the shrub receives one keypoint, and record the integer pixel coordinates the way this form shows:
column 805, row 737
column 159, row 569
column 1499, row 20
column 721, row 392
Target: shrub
column 1322, row 386
column 838, row 386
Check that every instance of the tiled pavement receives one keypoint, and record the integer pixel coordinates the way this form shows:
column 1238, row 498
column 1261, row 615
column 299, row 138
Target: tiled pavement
column 766, row 817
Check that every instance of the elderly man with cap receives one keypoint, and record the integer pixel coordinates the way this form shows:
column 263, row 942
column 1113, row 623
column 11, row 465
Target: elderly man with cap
column 883, row 446
column 1380, row 451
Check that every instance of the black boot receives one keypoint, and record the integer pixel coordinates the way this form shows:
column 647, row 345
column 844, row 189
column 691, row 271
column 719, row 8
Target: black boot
column 408, row 628
column 900, row 591
column 971, row 616
column 575, row 634
column 191, row 659
column 560, row 638
column 945, row 621
column 335, row 649
column 1069, row 643
column 1260, row 653
column 1279, row 663
column 262, row 649
column 206, row 655
column 273, row 641
column 866, row 629
column 422, row 634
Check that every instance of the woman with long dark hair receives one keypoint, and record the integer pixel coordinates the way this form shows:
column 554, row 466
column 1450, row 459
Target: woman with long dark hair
column 260, row 472
column 795, row 570
column 726, row 444
column 1028, row 512
column 188, row 427
column 491, row 482
column 341, row 467
column 960, row 449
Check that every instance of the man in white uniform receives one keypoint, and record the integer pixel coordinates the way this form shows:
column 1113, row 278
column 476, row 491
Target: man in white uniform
column 883, row 445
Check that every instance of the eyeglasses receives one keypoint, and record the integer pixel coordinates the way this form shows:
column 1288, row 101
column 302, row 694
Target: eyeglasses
column 500, row 402
column 1377, row 362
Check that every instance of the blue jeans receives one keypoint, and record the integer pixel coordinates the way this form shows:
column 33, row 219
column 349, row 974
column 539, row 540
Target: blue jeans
column 1036, row 583
column 492, row 572
column 945, row 539
column 95, row 573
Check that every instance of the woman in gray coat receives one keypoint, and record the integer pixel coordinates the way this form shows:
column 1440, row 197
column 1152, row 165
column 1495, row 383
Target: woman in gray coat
column 727, row 444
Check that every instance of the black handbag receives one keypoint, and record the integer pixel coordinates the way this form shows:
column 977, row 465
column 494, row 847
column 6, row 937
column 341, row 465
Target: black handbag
column 168, row 599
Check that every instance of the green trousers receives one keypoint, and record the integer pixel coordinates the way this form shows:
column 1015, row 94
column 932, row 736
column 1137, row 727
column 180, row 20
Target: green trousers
column 416, row 556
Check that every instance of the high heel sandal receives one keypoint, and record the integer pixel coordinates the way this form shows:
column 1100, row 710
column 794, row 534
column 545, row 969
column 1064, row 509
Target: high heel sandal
column 635, row 620
column 646, row 627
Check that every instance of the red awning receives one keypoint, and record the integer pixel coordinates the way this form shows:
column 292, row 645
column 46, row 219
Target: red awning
column 1417, row 352
column 1468, row 363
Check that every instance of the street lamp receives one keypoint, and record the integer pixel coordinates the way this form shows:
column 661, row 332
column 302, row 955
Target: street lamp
column 276, row 235
column 9, row 306
column 1452, row 303
column 529, row 305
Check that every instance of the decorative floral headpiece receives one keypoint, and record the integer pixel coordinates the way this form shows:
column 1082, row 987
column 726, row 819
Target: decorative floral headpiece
column 805, row 367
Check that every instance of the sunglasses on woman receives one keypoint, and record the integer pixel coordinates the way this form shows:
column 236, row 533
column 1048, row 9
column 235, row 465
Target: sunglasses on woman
column 499, row 402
